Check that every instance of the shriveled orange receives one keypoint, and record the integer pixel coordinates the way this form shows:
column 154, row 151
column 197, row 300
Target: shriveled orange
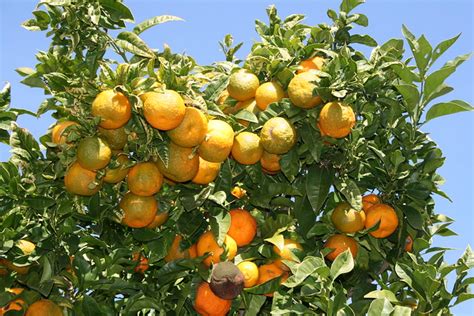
column 144, row 179
column 270, row 163
column 339, row 243
column 370, row 200
column 113, row 108
column 238, row 192
column 207, row 172
column 163, row 110
column 336, row 119
column 139, row 211
column 409, row 244
column 346, row 219
column 175, row 252
column 277, row 135
column 287, row 251
column 267, row 272
column 115, row 175
column 81, row 181
column 247, row 149
column 301, row 90
column 192, row 129
column 141, row 263
column 268, row 93
column 250, row 272
column 160, row 219
column 183, row 163
column 388, row 220
column 61, row 131
column 115, row 138
column 243, row 227
column 44, row 307
column 206, row 303
column 93, row 153
column 16, row 304
column 218, row 142
column 207, row 244
column 242, row 85
column 314, row 63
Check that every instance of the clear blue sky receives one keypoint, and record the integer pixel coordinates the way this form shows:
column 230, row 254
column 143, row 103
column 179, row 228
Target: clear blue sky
column 207, row 22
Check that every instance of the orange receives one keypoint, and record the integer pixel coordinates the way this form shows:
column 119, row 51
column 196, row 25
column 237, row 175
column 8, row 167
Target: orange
column 222, row 97
column 44, row 307
column 207, row 172
column 119, row 173
column 243, row 227
column 93, row 153
column 270, row 163
column 81, row 181
column 277, row 135
column 160, row 219
column 346, row 219
column 193, row 251
column 369, row 200
column 301, row 90
column 339, row 243
column 242, row 85
column 388, row 220
column 144, row 179
column 115, row 138
column 175, row 252
column 250, row 272
column 267, row 272
column 268, row 93
column 139, row 211
column 163, row 110
column 113, row 108
column 247, row 149
column 314, row 63
column 183, row 163
column 336, row 119
column 238, row 192
column 218, row 142
column 206, row 303
column 14, row 305
column 192, row 129
column 61, row 131
column 141, row 263
column 409, row 244
column 208, row 244
column 288, row 248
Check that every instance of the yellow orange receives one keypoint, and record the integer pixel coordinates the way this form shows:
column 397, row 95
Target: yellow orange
column 268, row 93
column 218, row 142
column 144, row 179
column 247, row 149
column 139, row 211
column 208, row 244
column 163, row 110
column 80, row 181
column 113, row 108
column 192, row 129
column 183, row 163
column 207, row 172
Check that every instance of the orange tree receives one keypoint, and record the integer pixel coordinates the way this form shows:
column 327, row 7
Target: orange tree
column 159, row 168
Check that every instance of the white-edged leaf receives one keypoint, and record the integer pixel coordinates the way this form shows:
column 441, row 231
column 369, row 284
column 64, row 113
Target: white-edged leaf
column 160, row 19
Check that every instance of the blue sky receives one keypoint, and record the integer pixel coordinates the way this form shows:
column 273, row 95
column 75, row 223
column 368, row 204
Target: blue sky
column 207, row 22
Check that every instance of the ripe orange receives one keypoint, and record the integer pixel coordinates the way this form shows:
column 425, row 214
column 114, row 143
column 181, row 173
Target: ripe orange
column 250, row 272
column 144, row 179
column 139, row 211
column 346, row 219
column 409, row 244
column 113, row 108
column 207, row 172
column 370, row 200
column 267, row 272
column 183, row 163
column 314, row 63
column 59, row 133
column 116, row 175
column 81, row 181
column 388, row 220
column 175, row 252
column 247, row 149
column 267, row 93
column 242, row 85
column 208, row 244
column 93, row 153
column 340, row 243
column 115, row 138
column 44, row 307
column 238, row 192
column 277, row 135
column 192, row 129
column 301, row 90
column 163, row 110
column 206, row 303
column 270, row 163
column 160, row 219
column 141, row 263
column 16, row 304
column 218, row 142
column 336, row 119
column 288, row 248
column 193, row 251
column 243, row 227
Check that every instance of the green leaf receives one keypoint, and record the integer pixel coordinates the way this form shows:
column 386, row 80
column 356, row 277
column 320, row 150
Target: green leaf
column 442, row 47
column 56, row 2
column 351, row 192
column 318, row 183
column 289, row 163
column 420, row 48
column 348, row 5
column 380, row 307
column 117, row 8
column 363, row 39
column 145, row 25
column 446, row 108
column 132, row 43
column 401, row 311
column 410, row 95
column 344, row 263
column 220, row 224
column 414, row 217
column 253, row 303
column 380, row 294
column 264, row 288
column 303, row 270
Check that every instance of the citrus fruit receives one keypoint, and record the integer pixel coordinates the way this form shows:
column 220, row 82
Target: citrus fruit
column 16, row 304
column 370, row 200
column 336, row 119
column 314, row 63
column 250, row 272
column 409, row 244
column 243, row 227
column 163, row 110
column 227, row 281
column 81, row 181
column 277, row 136
column 139, row 211
column 267, row 272
column 115, row 138
column 287, row 251
column 44, row 307
column 183, row 163
column 160, row 219
column 175, row 252
column 206, row 303
column 113, row 108
column 268, row 93
column 222, row 97
column 238, row 192
column 192, row 129
column 339, row 243
column 208, row 244
column 27, row 247
column 115, row 175
column 218, row 142
column 93, row 153
column 61, row 131
column 193, row 251
column 242, row 85
column 144, row 179
column 207, row 172
column 270, row 163
column 141, row 263
column 300, row 90
column 388, row 220
column 247, row 149
column 346, row 219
